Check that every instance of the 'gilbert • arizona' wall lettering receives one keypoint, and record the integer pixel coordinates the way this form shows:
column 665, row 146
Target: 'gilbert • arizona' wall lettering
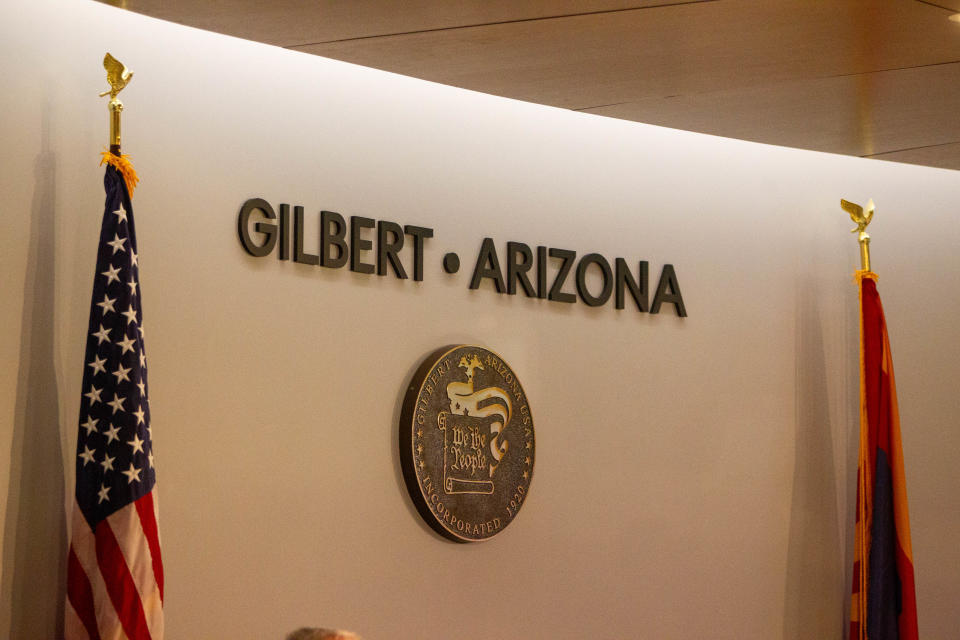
column 381, row 247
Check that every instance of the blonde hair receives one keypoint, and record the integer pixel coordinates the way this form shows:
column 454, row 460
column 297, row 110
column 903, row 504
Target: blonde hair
column 310, row 633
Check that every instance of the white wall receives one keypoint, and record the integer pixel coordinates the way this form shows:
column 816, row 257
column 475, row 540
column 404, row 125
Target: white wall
column 695, row 477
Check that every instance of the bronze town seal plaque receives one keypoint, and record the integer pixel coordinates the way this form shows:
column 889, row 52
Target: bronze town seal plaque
column 466, row 443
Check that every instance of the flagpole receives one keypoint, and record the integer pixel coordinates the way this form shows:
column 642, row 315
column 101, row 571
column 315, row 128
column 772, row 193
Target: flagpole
column 861, row 216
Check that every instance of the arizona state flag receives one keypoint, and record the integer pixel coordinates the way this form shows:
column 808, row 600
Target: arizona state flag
column 884, row 603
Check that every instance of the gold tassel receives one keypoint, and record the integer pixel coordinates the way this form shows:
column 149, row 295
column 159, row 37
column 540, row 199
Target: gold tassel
column 860, row 274
column 122, row 164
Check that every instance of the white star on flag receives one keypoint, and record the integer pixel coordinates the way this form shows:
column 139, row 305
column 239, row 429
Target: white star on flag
column 107, row 463
column 111, row 274
column 116, row 403
column 87, row 455
column 132, row 474
column 90, row 425
column 111, row 434
column 121, row 214
column 121, row 373
column 97, row 365
column 126, row 344
column 107, row 304
column 136, row 444
column 103, row 334
column 93, row 394
column 117, row 243
column 131, row 314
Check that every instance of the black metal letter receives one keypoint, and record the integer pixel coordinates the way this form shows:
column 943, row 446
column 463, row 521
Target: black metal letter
column 387, row 250
column 358, row 244
column 585, row 295
column 419, row 234
column 333, row 238
column 566, row 261
column 638, row 288
column 267, row 228
column 517, row 269
column 541, row 272
column 284, row 253
column 299, row 255
column 488, row 254
column 668, row 279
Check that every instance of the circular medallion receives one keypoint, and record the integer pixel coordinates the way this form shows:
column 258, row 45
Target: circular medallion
column 467, row 443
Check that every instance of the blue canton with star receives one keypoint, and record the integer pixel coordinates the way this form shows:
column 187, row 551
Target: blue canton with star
column 114, row 449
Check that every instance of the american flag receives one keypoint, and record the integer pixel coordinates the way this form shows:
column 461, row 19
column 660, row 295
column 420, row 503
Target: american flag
column 114, row 569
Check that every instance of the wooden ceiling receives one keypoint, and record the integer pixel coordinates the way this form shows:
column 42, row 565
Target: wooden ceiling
column 872, row 78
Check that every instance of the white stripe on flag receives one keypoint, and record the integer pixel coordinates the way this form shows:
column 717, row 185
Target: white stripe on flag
column 73, row 628
column 85, row 546
column 156, row 512
column 136, row 552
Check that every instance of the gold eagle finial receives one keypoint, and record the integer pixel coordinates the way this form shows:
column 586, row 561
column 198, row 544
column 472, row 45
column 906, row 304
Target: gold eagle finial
column 117, row 75
column 862, row 219
column 857, row 214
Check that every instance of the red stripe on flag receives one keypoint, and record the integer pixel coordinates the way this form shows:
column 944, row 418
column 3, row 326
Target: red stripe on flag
column 149, row 523
column 855, row 603
column 875, row 381
column 80, row 595
column 120, row 585
column 908, row 613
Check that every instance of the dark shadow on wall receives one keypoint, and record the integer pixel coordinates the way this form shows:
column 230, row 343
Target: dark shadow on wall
column 814, row 580
column 34, row 542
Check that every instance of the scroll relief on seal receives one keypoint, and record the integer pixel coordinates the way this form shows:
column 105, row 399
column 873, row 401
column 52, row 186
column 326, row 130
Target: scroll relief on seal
column 471, row 443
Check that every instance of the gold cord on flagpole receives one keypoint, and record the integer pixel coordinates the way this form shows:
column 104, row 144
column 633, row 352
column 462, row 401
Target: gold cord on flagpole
column 118, row 76
column 862, row 218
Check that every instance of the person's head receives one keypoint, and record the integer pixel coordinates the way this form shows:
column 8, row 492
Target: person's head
column 310, row 633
